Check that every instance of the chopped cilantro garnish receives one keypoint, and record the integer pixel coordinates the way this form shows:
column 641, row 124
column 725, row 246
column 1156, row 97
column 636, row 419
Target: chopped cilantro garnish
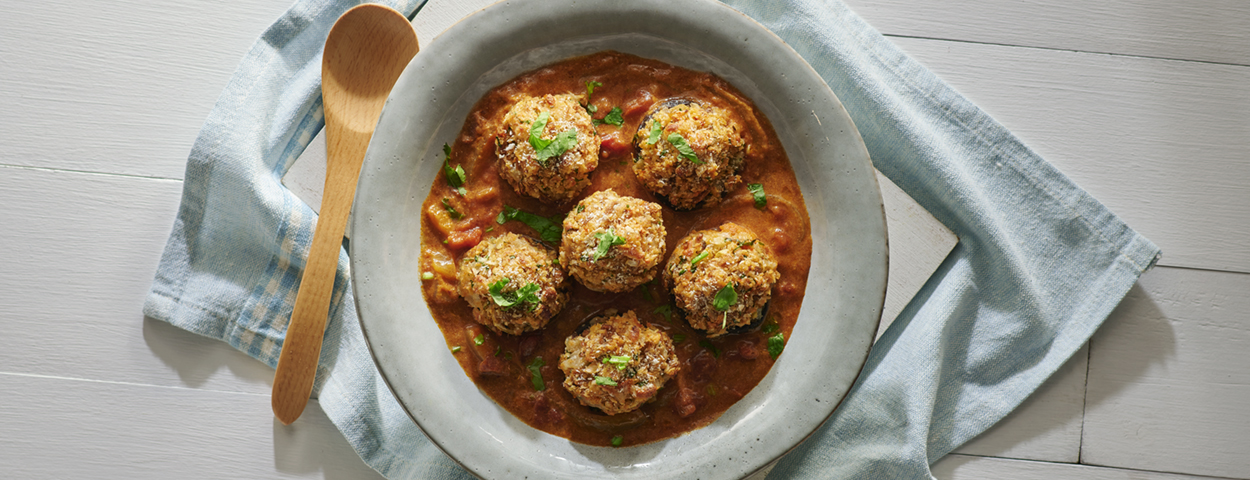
column 455, row 176
column 526, row 294
column 536, row 374
column 605, row 381
column 776, row 344
column 455, row 349
column 698, row 258
column 757, row 191
column 770, row 327
column 683, row 147
column 665, row 310
column 616, row 441
column 452, row 210
column 548, row 230
column 712, row 348
column 621, row 361
column 654, row 135
column 725, row 298
column 545, row 149
column 607, row 240
column 481, row 337
column 590, row 90
column 581, row 208
column 614, row 117
column 678, row 338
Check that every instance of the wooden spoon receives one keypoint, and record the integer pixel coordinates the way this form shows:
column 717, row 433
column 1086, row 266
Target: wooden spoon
column 367, row 49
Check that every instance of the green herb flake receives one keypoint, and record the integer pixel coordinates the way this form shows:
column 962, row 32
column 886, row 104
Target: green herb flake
column 590, row 88
column 452, row 210
column 770, row 327
column 620, row 361
column 665, row 310
column 455, row 175
column 581, row 208
column 548, row 229
column 711, row 348
column 506, row 299
column 725, row 298
column 614, row 117
column 757, row 191
column 536, row 374
column 683, row 147
column 776, row 344
column 545, row 149
column 617, row 440
column 455, row 349
column 479, row 339
column 427, row 275
column 678, row 338
column 604, row 381
column 646, row 291
column 698, row 258
column 654, row 135
column 607, row 240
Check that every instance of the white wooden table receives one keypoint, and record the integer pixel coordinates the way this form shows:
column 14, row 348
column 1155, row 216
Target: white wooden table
column 1146, row 104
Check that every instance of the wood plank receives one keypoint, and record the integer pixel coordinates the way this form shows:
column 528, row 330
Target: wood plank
column 966, row 467
column 60, row 428
column 1047, row 426
column 1169, row 377
column 73, row 297
column 119, row 87
column 1202, row 30
column 1162, row 143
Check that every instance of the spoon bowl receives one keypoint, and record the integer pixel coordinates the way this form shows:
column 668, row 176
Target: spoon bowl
column 365, row 52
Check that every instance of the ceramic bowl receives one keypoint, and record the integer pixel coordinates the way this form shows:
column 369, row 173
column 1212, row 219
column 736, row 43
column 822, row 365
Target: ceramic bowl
column 845, row 289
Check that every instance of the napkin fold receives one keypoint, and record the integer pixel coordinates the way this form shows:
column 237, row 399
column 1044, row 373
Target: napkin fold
column 1039, row 266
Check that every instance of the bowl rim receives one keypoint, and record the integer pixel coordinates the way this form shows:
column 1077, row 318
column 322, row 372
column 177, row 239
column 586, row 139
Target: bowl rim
column 713, row 20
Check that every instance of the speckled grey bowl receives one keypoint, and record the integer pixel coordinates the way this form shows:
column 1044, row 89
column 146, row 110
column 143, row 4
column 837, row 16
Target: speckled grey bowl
column 845, row 289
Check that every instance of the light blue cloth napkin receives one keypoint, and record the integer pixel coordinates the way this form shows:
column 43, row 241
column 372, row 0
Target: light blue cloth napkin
column 1039, row 266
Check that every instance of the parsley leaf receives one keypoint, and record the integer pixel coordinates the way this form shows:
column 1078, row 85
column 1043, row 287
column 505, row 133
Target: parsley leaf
column 708, row 345
column 614, row 117
column 545, row 149
column 776, row 344
column 590, row 88
column 452, row 210
column 455, row 176
column 621, row 361
column 684, row 148
column 725, row 298
column 616, row 441
column 548, row 229
column 770, row 327
column 654, row 135
column 665, row 310
column 536, row 375
column 526, row 294
column 607, row 240
column 757, row 191
column 605, row 381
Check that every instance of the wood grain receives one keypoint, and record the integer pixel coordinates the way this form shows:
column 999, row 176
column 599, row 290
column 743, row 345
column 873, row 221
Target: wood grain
column 63, row 428
column 118, row 87
column 83, row 250
column 1161, row 143
column 1169, row 377
column 1200, row 30
column 967, row 467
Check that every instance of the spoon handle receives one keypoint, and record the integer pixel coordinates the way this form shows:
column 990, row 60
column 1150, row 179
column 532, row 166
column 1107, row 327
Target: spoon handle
column 297, row 363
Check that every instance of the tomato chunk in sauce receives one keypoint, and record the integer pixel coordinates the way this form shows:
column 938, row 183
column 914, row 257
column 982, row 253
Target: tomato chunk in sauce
column 520, row 373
